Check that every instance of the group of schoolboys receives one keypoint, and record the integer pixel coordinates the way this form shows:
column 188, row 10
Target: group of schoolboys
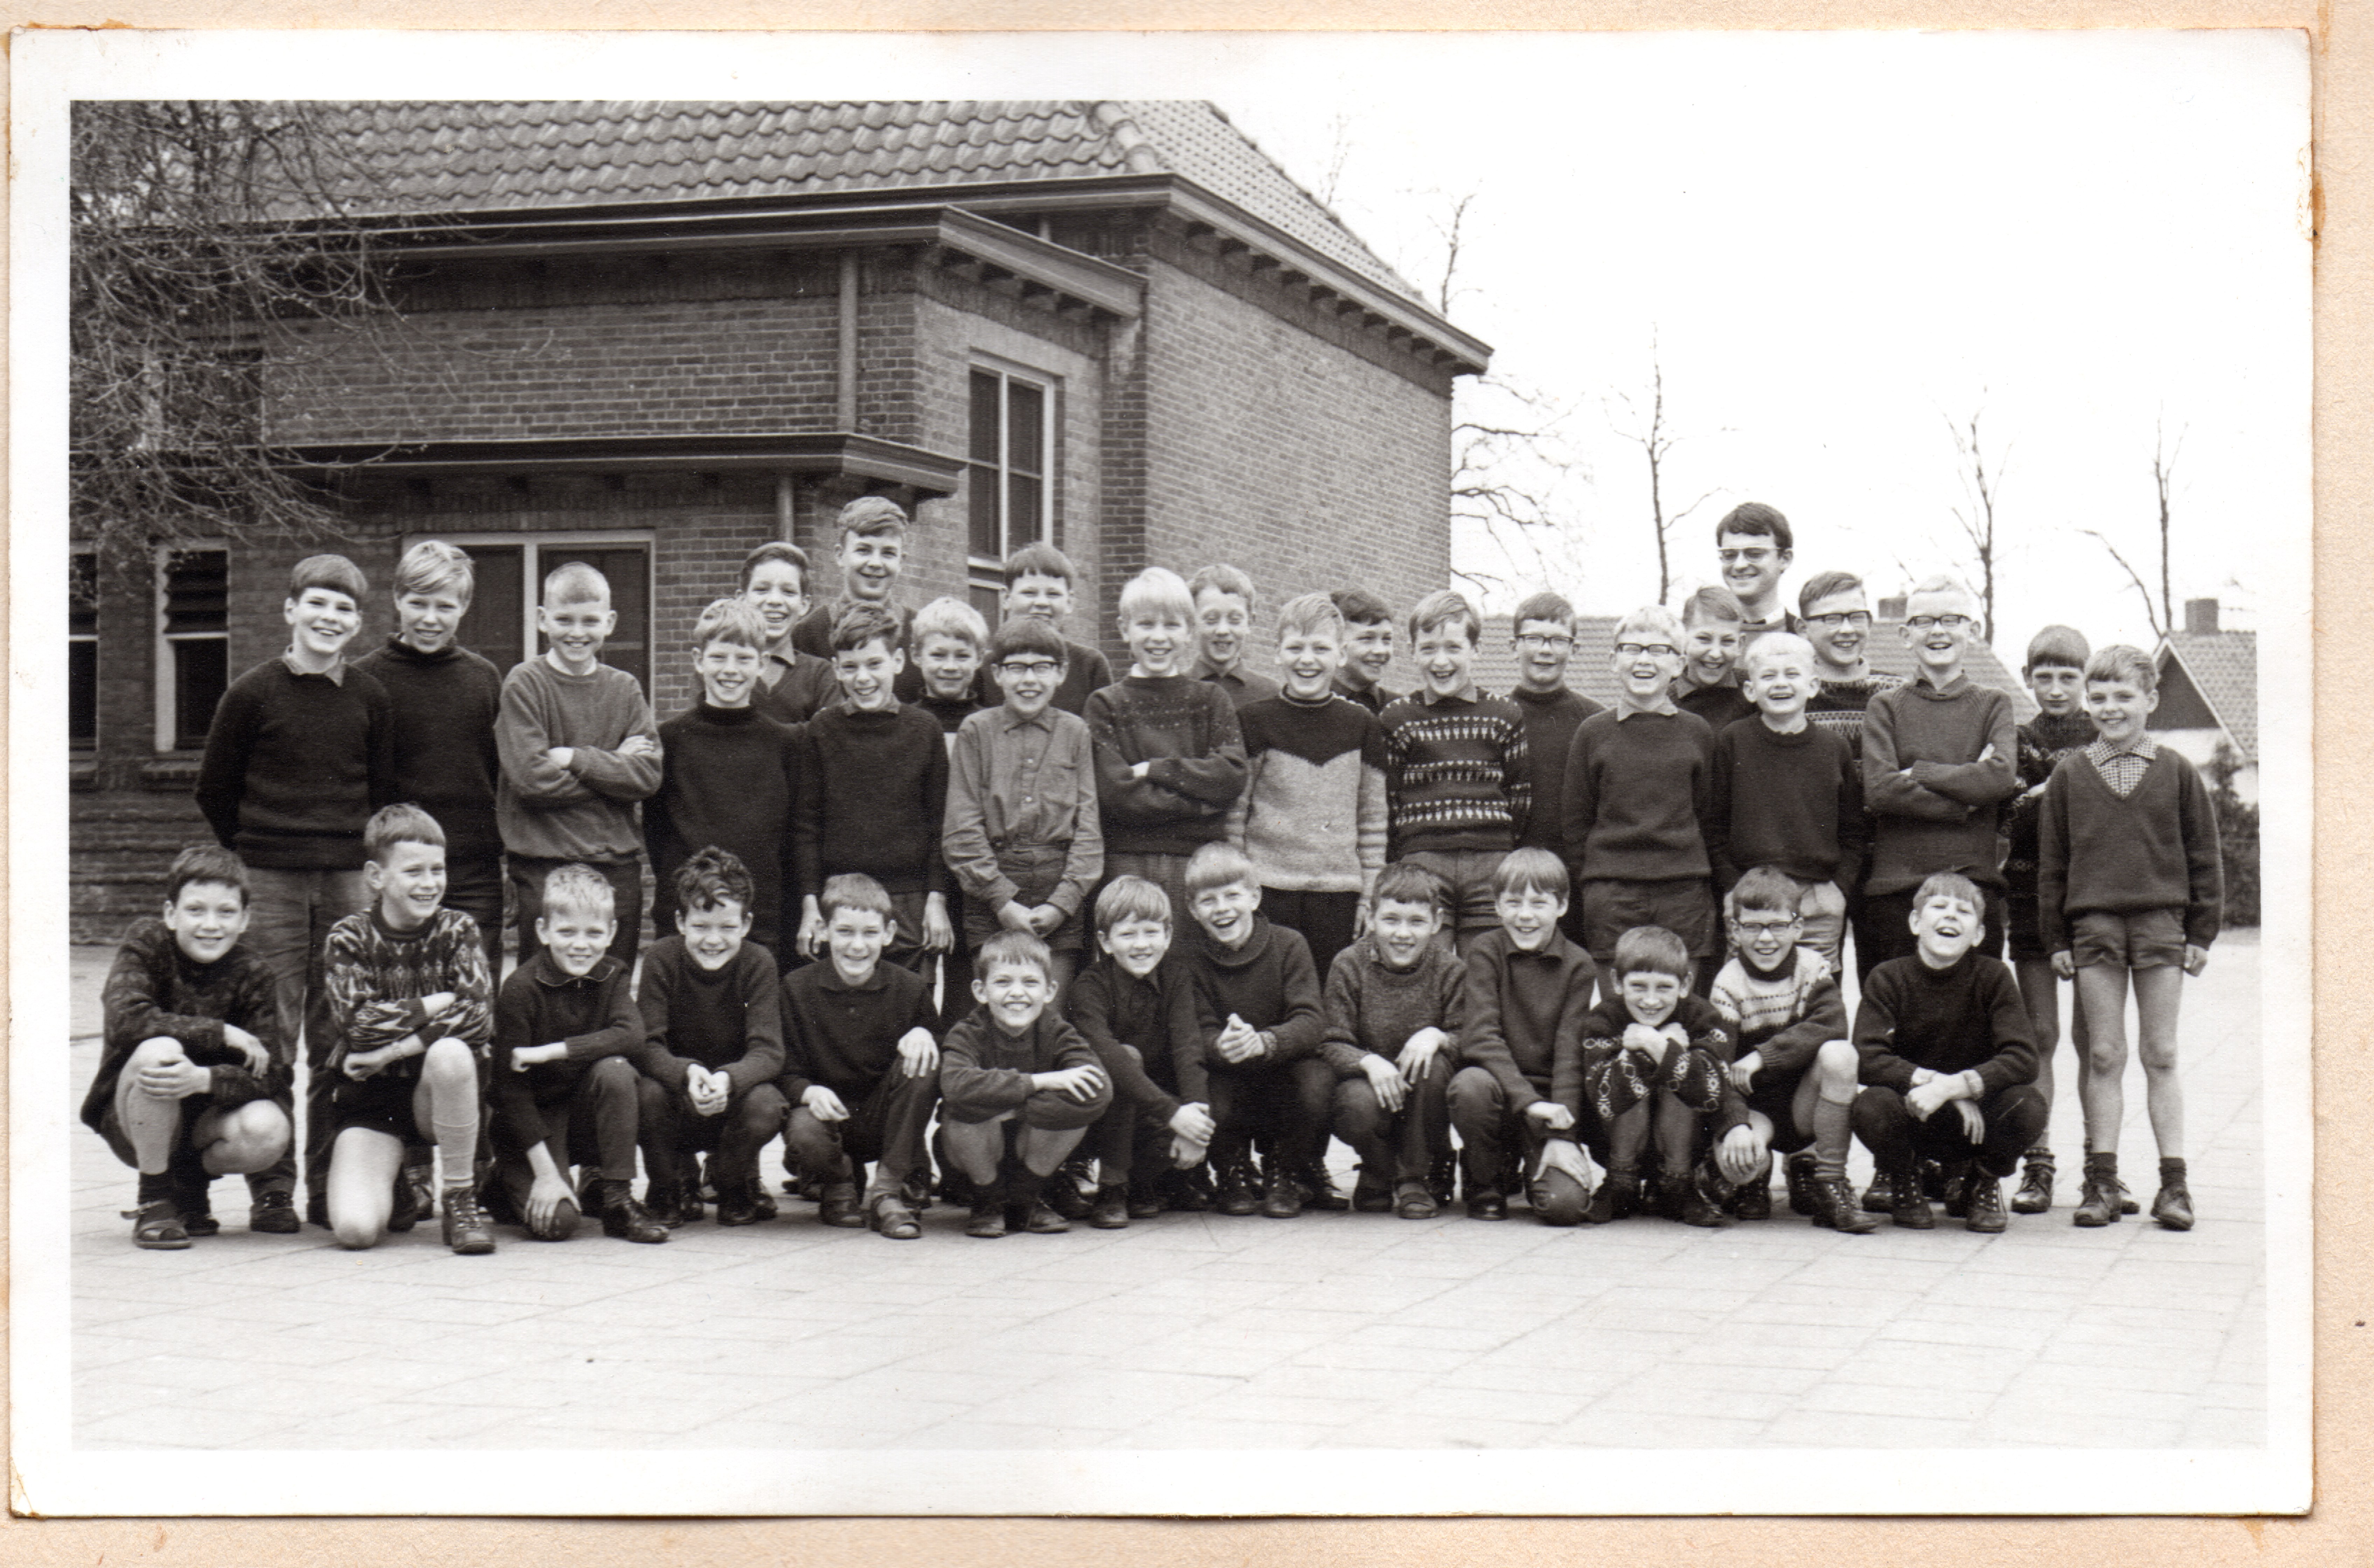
column 1603, row 947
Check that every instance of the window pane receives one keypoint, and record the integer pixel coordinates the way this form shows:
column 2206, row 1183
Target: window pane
column 82, row 595
column 984, row 524
column 626, row 567
column 984, row 417
column 201, row 670
column 1025, row 427
column 984, row 598
column 197, row 592
column 492, row 627
column 82, row 693
column 1025, row 494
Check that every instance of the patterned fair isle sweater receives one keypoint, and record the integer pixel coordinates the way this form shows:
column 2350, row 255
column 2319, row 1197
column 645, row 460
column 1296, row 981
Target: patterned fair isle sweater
column 1313, row 816
column 2043, row 741
column 154, row 989
column 1457, row 773
column 1786, row 1016
column 1187, row 731
column 1839, row 705
column 1616, row 1077
column 377, row 975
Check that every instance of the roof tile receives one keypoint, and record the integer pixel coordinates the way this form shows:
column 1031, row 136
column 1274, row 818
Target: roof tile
column 2225, row 669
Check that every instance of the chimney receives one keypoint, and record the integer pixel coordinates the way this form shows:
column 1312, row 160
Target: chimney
column 1892, row 608
column 2200, row 615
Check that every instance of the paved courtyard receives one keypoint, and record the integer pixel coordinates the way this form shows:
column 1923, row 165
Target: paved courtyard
column 1201, row 1331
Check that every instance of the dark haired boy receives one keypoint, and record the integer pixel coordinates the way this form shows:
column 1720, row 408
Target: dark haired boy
column 1136, row 1005
column 1655, row 1065
column 1837, row 625
column 1010, row 1067
column 1368, row 648
column 874, row 789
column 1520, row 1093
column 1396, row 1001
column 1753, row 545
column 872, row 555
column 712, row 1048
column 1039, row 579
column 1713, row 633
column 413, row 1009
column 793, row 683
column 300, row 752
column 563, row 1089
column 194, row 1066
column 1224, row 603
column 1543, row 637
column 861, row 1066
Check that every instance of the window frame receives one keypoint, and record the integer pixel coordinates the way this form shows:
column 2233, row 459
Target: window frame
column 166, row 660
column 75, row 554
column 982, row 573
column 530, row 541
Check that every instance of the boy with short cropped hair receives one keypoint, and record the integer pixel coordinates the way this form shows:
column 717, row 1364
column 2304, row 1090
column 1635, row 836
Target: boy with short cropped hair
column 1022, row 832
column 1257, row 1012
column 412, row 1007
column 1368, row 648
column 1795, row 1066
column 1638, row 796
column 1313, row 816
column 1528, row 993
column 2130, row 882
column 1753, row 545
column 2055, row 672
column 1948, row 1064
column 1170, row 753
column 729, row 777
column 1224, row 604
column 950, row 639
column 579, row 749
column 301, row 751
column 1713, row 633
column 1458, row 772
column 1039, row 579
column 1543, row 634
column 793, row 683
column 1136, row 1005
column 195, row 1068
column 712, row 1048
column 861, row 1065
column 443, row 700
column 1937, row 761
column 1655, row 1066
column 1394, row 1003
column 564, row 1090
column 1011, row 1065
column 1788, row 793
column 1837, row 624
column 874, row 787
column 871, row 531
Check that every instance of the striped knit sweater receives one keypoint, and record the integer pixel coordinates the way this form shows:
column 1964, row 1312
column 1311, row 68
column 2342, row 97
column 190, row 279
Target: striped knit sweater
column 377, row 975
column 1313, row 816
column 1457, row 773
column 1837, row 706
column 1786, row 1017
column 1187, row 731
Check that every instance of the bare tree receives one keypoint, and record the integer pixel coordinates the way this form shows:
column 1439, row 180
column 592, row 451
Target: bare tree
column 1976, row 514
column 1450, row 229
column 199, row 259
column 1654, row 437
column 2162, row 614
column 1339, row 153
column 1508, row 459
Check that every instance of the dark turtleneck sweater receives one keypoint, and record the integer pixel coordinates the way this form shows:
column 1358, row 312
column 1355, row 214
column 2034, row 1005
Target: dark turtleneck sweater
column 1270, row 982
column 1946, row 1020
column 444, row 705
column 873, row 788
column 729, row 781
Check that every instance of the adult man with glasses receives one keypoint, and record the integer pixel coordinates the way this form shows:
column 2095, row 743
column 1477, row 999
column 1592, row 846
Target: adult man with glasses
column 1837, row 625
column 1754, row 547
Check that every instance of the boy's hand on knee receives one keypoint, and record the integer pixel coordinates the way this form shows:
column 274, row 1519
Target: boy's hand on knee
column 1974, row 1120
column 1740, row 1155
column 1419, row 1051
column 918, row 1054
column 823, row 1103
column 2065, row 963
column 1551, row 1116
column 1081, row 1084
column 2195, row 959
column 1744, row 1070
column 1193, row 1123
column 175, row 1078
column 1384, row 1081
column 1925, row 1099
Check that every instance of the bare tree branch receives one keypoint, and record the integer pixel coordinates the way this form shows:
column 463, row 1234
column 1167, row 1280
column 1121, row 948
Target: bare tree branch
column 1656, row 441
column 1980, row 489
column 2143, row 591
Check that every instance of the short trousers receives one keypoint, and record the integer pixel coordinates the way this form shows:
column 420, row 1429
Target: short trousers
column 382, row 1103
column 2148, row 938
column 1775, row 1094
column 111, row 1126
column 2024, row 930
column 1683, row 906
column 1470, row 872
column 1035, row 869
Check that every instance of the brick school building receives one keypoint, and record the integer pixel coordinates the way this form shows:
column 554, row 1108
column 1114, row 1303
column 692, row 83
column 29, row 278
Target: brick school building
column 654, row 335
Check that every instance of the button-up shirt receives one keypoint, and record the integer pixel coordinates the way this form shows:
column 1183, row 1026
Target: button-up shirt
column 1018, row 784
column 2122, row 767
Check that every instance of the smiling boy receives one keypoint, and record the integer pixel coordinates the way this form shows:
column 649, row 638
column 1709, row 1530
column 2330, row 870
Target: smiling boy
column 729, row 776
column 1039, row 580
column 1753, row 545
column 872, row 555
column 950, row 641
column 195, row 1068
column 1712, row 632
column 791, row 684
column 579, row 750
column 1543, row 638
column 1655, row 1069
column 413, row 1010
column 300, row 752
column 1224, row 601
column 1949, row 1064
column 1368, row 648
column 1136, row 1005
column 1837, row 623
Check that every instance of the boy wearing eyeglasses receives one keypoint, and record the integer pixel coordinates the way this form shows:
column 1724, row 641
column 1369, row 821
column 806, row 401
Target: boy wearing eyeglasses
column 1837, row 624
column 1938, row 759
column 1637, row 796
column 1544, row 640
column 1022, row 834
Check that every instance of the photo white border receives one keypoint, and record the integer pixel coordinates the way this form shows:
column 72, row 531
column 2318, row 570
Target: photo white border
column 50, row 1477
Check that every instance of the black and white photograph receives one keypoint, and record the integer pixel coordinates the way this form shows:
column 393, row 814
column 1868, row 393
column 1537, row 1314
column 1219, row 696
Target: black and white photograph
column 821, row 763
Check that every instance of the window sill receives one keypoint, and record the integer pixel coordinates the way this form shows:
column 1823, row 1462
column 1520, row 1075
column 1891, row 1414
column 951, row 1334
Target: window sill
column 171, row 771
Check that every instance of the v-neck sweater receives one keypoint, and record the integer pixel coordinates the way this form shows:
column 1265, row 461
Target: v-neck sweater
column 2156, row 849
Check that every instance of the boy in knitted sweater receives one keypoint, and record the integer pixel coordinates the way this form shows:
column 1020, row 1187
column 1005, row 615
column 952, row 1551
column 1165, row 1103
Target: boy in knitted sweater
column 579, row 750
column 1170, row 753
column 793, row 683
column 1655, row 1065
column 729, row 777
column 1394, row 1001
column 1458, row 777
column 1313, row 816
column 1712, row 638
column 413, row 1011
column 1837, row 623
column 2130, row 885
column 195, row 1069
column 1543, row 636
column 1224, row 603
column 1039, row 580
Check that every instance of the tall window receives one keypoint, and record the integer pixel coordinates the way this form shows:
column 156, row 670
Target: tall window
column 193, row 642
column 1007, row 487
column 510, row 568
column 82, row 649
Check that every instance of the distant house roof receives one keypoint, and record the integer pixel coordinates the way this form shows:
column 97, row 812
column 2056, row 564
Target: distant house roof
column 456, row 158
column 1496, row 661
column 2221, row 669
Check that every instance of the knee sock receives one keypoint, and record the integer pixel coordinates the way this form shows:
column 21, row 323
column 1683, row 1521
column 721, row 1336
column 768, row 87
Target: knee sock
column 1833, row 1127
column 1023, row 1187
column 2104, row 1167
column 155, row 1187
column 2171, row 1172
column 457, row 1149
